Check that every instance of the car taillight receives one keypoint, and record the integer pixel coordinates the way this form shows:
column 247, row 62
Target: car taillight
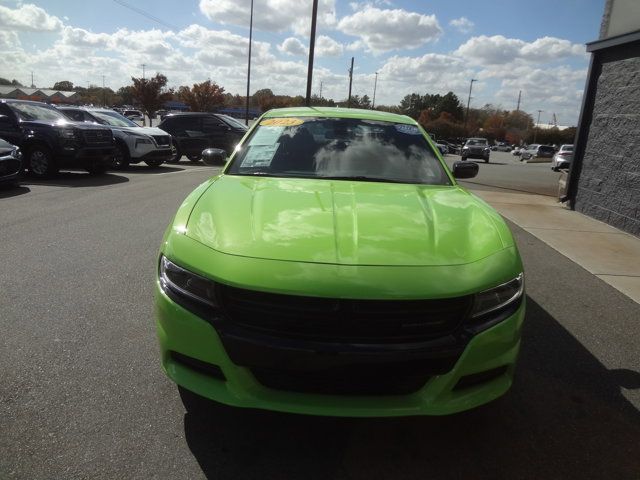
column 563, row 154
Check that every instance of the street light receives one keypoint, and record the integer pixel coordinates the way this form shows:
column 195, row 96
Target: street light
column 375, row 85
column 466, row 117
column 246, row 111
column 312, row 46
column 535, row 129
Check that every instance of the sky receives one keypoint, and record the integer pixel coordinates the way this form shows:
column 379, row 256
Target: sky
column 533, row 46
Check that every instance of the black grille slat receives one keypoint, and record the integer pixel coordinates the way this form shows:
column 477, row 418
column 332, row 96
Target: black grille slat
column 342, row 320
column 162, row 140
column 97, row 136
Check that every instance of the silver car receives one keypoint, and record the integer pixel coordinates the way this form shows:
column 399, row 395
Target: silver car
column 537, row 153
column 562, row 159
column 134, row 144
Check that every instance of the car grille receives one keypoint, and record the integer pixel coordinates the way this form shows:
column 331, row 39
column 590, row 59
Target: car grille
column 93, row 137
column 342, row 320
column 399, row 379
column 162, row 140
column 9, row 166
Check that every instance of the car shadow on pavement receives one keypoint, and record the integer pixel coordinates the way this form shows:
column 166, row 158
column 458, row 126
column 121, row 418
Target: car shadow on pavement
column 7, row 191
column 146, row 170
column 77, row 179
column 565, row 417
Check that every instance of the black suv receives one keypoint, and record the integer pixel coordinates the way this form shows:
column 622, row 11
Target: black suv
column 50, row 140
column 194, row 132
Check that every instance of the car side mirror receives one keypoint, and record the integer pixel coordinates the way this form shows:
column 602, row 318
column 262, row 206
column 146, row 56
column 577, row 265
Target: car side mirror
column 214, row 156
column 465, row 169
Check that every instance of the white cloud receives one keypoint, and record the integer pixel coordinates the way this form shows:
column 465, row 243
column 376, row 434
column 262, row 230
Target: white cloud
column 462, row 24
column 499, row 50
column 270, row 15
column 328, row 47
column 292, row 46
column 385, row 30
column 28, row 17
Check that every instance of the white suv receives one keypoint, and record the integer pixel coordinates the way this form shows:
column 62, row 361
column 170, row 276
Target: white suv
column 134, row 144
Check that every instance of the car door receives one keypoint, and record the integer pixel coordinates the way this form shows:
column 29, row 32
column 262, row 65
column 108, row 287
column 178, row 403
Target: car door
column 193, row 140
column 216, row 132
column 9, row 126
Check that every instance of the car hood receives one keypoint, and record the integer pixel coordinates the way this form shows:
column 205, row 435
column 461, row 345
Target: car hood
column 344, row 222
column 142, row 130
column 62, row 123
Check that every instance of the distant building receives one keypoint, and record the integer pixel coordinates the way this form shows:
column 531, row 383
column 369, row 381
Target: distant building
column 38, row 94
column 604, row 180
column 549, row 126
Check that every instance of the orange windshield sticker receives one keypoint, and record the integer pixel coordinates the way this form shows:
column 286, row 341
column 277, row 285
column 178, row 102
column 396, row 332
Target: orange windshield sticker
column 281, row 122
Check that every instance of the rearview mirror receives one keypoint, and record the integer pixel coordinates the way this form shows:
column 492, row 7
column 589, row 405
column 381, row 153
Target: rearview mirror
column 214, row 156
column 465, row 169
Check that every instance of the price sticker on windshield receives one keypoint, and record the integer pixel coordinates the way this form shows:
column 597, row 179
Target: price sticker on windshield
column 281, row 122
column 407, row 129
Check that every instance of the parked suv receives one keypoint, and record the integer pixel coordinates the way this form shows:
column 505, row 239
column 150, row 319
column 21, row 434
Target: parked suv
column 194, row 132
column 476, row 148
column 10, row 163
column 50, row 140
column 134, row 144
column 537, row 153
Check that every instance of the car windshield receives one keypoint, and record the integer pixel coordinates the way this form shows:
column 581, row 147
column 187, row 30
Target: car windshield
column 476, row 141
column 339, row 148
column 546, row 149
column 567, row 148
column 233, row 122
column 113, row 119
column 33, row 111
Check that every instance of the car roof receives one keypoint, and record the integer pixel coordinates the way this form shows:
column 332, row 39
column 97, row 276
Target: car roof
column 339, row 113
column 188, row 114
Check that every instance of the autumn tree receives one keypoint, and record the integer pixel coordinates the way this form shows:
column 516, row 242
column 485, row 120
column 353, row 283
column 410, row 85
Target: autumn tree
column 202, row 97
column 151, row 93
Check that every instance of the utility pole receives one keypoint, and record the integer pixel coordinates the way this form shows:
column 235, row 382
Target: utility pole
column 375, row 85
column 466, row 117
column 104, row 94
column 312, row 47
column 32, row 84
column 350, row 82
column 535, row 130
column 143, row 67
column 320, row 89
column 246, row 110
column 519, row 96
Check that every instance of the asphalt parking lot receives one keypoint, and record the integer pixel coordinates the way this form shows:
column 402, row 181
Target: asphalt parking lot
column 83, row 395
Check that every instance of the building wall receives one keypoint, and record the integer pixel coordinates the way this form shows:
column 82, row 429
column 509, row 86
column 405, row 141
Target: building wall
column 609, row 183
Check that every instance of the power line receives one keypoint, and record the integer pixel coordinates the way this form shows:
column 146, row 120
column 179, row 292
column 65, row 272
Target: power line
column 146, row 14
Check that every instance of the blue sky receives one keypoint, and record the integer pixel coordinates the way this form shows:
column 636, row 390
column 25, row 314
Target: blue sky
column 422, row 46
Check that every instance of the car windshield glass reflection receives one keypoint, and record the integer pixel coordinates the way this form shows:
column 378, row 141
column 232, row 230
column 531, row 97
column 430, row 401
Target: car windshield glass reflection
column 349, row 149
column 114, row 119
column 31, row 111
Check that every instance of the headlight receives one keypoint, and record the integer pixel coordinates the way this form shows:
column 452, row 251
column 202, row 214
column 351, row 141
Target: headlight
column 465, row 148
column 143, row 141
column 16, row 153
column 185, row 285
column 498, row 297
column 68, row 133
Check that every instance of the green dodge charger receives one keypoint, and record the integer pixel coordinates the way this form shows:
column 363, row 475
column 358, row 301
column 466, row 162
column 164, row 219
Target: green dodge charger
column 335, row 267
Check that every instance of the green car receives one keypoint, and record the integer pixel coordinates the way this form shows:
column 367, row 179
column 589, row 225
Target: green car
column 335, row 267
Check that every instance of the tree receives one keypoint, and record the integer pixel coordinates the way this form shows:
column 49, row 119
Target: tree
column 412, row 105
column 126, row 95
column 202, row 97
column 151, row 93
column 262, row 96
column 425, row 117
column 64, row 85
column 448, row 103
column 14, row 82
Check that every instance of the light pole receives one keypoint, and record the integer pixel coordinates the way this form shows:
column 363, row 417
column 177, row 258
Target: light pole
column 535, row 129
column 466, row 117
column 375, row 85
column 104, row 94
column 350, row 82
column 312, row 46
column 246, row 110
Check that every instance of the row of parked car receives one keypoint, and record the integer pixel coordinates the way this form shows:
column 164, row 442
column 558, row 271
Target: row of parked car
column 42, row 138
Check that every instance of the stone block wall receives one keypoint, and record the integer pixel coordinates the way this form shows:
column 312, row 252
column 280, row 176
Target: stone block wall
column 609, row 183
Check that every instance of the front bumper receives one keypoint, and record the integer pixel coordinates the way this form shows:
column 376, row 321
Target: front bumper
column 81, row 156
column 180, row 331
column 10, row 169
column 475, row 154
